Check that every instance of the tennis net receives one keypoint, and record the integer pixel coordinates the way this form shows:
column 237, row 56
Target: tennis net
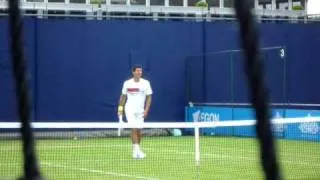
column 177, row 150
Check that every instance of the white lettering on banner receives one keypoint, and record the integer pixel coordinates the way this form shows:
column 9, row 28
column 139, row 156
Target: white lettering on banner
column 196, row 116
column 309, row 128
column 199, row 116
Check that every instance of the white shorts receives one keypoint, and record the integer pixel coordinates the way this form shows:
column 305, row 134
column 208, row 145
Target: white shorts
column 134, row 119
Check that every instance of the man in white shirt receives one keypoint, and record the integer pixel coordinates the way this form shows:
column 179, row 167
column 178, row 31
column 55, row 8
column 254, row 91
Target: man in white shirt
column 136, row 97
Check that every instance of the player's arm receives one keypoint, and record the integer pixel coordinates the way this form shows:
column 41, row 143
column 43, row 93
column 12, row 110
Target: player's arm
column 148, row 99
column 122, row 101
column 148, row 104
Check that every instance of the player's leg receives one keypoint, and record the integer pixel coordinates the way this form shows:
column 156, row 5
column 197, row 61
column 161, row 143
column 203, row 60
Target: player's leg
column 135, row 136
column 139, row 135
column 130, row 116
column 135, row 120
column 135, row 140
column 139, row 124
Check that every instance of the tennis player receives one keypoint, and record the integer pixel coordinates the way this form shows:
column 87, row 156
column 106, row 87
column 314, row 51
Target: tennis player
column 135, row 102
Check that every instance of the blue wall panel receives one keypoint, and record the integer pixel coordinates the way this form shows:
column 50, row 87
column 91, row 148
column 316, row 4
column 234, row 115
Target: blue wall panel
column 302, row 43
column 240, row 82
column 8, row 101
column 7, row 90
column 218, row 76
column 76, row 67
column 84, row 63
column 244, row 114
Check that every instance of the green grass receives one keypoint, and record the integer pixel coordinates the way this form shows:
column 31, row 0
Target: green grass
column 167, row 158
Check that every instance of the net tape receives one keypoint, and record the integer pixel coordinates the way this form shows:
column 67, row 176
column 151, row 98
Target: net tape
column 116, row 125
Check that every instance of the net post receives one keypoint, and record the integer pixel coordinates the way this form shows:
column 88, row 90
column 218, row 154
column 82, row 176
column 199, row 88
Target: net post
column 197, row 144
column 119, row 132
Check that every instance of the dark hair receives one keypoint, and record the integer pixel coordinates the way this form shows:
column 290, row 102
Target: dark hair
column 136, row 67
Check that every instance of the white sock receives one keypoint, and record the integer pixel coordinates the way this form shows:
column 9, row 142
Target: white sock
column 136, row 147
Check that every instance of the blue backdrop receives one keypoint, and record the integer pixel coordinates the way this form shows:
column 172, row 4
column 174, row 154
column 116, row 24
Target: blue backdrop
column 76, row 67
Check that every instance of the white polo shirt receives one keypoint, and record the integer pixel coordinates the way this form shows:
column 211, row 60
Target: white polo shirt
column 136, row 94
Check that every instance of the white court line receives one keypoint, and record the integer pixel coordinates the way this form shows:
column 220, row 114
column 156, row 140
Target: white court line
column 204, row 155
column 86, row 170
column 97, row 171
column 153, row 149
column 9, row 148
column 220, row 154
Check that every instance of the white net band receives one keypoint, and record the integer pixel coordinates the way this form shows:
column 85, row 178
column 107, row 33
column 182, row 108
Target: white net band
column 116, row 125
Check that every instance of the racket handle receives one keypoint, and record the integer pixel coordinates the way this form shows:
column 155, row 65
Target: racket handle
column 120, row 118
column 120, row 122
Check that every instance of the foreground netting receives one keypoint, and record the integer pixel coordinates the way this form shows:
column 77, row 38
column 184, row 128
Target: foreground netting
column 197, row 150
